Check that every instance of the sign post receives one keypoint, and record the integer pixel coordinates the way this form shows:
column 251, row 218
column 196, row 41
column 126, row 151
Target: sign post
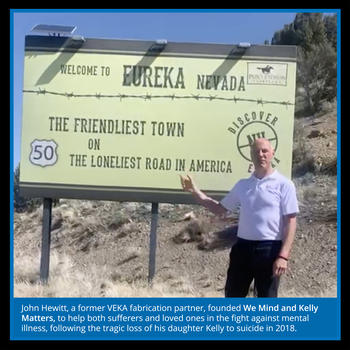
column 153, row 243
column 46, row 240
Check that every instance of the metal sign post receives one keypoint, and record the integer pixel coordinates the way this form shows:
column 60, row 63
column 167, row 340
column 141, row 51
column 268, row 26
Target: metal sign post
column 46, row 240
column 153, row 243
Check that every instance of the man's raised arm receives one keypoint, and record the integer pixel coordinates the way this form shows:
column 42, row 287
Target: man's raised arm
column 211, row 204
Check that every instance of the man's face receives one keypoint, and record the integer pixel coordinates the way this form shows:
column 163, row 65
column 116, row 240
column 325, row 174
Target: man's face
column 261, row 153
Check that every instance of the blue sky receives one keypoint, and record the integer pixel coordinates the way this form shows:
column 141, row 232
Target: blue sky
column 211, row 26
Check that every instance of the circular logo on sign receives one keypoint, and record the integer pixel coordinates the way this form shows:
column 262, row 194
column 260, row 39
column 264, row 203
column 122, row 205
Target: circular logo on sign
column 252, row 131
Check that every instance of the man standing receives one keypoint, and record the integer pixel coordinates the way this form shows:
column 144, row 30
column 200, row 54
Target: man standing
column 266, row 228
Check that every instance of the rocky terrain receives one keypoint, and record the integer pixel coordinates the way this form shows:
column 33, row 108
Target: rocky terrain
column 101, row 248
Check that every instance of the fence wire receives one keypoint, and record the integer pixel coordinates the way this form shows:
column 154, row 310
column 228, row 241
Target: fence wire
column 149, row 97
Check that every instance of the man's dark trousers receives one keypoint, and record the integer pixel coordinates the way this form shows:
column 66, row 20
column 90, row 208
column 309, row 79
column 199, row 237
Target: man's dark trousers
column 252, row 260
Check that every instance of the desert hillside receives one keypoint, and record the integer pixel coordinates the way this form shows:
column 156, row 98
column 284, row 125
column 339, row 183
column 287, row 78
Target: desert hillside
column 101, row 248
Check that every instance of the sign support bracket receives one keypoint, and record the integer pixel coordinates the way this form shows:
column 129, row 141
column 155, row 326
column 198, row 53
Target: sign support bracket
column 46, row 240
column 153, row 242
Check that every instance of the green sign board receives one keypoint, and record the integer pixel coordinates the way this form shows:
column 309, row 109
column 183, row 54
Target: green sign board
column 117, row 120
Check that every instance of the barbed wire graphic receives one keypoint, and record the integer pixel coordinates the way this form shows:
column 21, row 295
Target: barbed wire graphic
column 150, row 97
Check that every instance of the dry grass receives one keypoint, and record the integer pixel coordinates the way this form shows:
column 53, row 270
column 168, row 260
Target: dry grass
column 67, row 280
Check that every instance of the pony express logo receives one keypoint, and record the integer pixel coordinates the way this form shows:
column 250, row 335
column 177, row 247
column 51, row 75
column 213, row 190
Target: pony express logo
column 267, row 73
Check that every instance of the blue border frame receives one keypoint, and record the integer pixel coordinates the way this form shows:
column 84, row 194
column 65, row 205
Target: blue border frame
column 323, row 10
column 339, row 148
column 11, row 174
column 337, row 11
